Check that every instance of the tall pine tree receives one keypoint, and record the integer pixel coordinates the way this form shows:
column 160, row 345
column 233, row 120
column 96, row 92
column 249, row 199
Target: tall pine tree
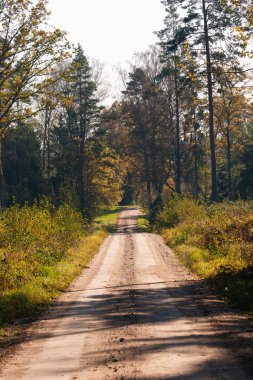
column 210, row 27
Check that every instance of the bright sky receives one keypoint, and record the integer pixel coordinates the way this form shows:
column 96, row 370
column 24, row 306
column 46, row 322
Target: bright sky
column 109, row 30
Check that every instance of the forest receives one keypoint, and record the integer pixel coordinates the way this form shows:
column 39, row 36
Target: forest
column 182, row 131
column 182, row 125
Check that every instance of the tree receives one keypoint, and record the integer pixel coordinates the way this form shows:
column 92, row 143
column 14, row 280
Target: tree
column 171, row 60
column 85, row 112
column 85, row 167
column 28, row 51
column 146, row 104
column 22, row 164
column 104, row 177
column 230, row 106
column 205, row 25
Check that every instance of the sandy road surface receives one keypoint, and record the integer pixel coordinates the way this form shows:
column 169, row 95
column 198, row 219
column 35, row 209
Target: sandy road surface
column 134, row 314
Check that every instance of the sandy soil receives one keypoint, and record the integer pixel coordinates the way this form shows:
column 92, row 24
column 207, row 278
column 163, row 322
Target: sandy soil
column 136, row 314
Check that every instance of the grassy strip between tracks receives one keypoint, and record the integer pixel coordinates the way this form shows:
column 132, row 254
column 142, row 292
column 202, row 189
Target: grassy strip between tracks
column 24, row 303
column 215, row 242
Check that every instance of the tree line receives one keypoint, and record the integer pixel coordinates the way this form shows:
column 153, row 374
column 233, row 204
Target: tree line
column 183, row 123
column 50, row 117
column 186, row 112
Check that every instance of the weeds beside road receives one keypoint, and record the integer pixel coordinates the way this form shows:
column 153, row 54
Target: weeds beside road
column 42, row 252
column 215, row 242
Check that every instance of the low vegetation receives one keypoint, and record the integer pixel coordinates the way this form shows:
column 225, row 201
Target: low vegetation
column 42, row 250
column 215, row 242
column 143, row 223
column 107, row 218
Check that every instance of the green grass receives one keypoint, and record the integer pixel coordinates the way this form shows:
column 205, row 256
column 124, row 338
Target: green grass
column 143, row 224
column 108, row 218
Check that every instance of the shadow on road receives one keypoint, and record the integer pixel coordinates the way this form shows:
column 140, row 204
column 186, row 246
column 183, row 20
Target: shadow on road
column 120, row 307
column 156, row 303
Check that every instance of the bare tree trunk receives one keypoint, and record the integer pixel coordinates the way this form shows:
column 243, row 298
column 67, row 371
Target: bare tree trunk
column 196, row 175
column 149, row 195
column 177, row 160
column 196, row 159
column 211, row 108
column 153, row 150
column 81, row 164
column 44, row 144
column 148, row 181
column 229, row 166
column 2, row 183
column 81, row 159
column 139, row 120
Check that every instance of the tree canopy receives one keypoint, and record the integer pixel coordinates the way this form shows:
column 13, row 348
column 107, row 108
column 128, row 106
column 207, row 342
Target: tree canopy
column 182, row 125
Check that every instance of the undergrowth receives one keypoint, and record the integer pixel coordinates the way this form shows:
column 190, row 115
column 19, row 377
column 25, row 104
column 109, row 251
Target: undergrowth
column 41, row 290
column 35, row 237
column 143, row 224
column 42, row 250
column 107, row 218
column 214, row 241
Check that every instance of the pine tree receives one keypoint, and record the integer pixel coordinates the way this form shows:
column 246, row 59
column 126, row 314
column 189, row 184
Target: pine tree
column 206, row 25
column 76, row 129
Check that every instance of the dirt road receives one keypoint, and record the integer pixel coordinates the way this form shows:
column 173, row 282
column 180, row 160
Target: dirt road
column 134, row 314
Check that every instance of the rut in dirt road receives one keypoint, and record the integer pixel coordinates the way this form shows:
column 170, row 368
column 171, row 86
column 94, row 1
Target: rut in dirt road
column 134, row 314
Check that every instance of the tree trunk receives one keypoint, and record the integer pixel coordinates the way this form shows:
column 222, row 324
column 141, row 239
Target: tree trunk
column 82, row 136
column 80, row 179
column 1, row 177
column 196, row 175
column 210, row 105
column 44, row 144
column 229, row 166
column 149, row 195
column 153, row 149
column 129, row 189
column 177, row 160
column 148, row 181
column 139, row 120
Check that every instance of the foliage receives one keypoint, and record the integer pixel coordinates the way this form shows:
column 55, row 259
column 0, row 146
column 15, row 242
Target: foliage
column 22, row 165
column 50, row 116
column 105, row 173
column 177, row 210
column 40, row 291
column 215, row 241
column 84, row 166
column 34, row 236
column 143, row 223
column 140, row 124
column 47, row 248
column 29, row 51
column 58, row 141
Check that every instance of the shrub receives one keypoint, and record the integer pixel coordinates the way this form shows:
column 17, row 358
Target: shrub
column 34, row 236
column 178, row 210
column 215, row 241
column 39, row 291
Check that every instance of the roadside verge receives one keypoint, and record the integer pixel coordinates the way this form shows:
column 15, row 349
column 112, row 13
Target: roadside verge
column 22, row 305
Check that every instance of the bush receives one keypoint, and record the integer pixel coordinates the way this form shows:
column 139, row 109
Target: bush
column 178, row 210
column 38, row 292
column 34, row 236
column 215, row 241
